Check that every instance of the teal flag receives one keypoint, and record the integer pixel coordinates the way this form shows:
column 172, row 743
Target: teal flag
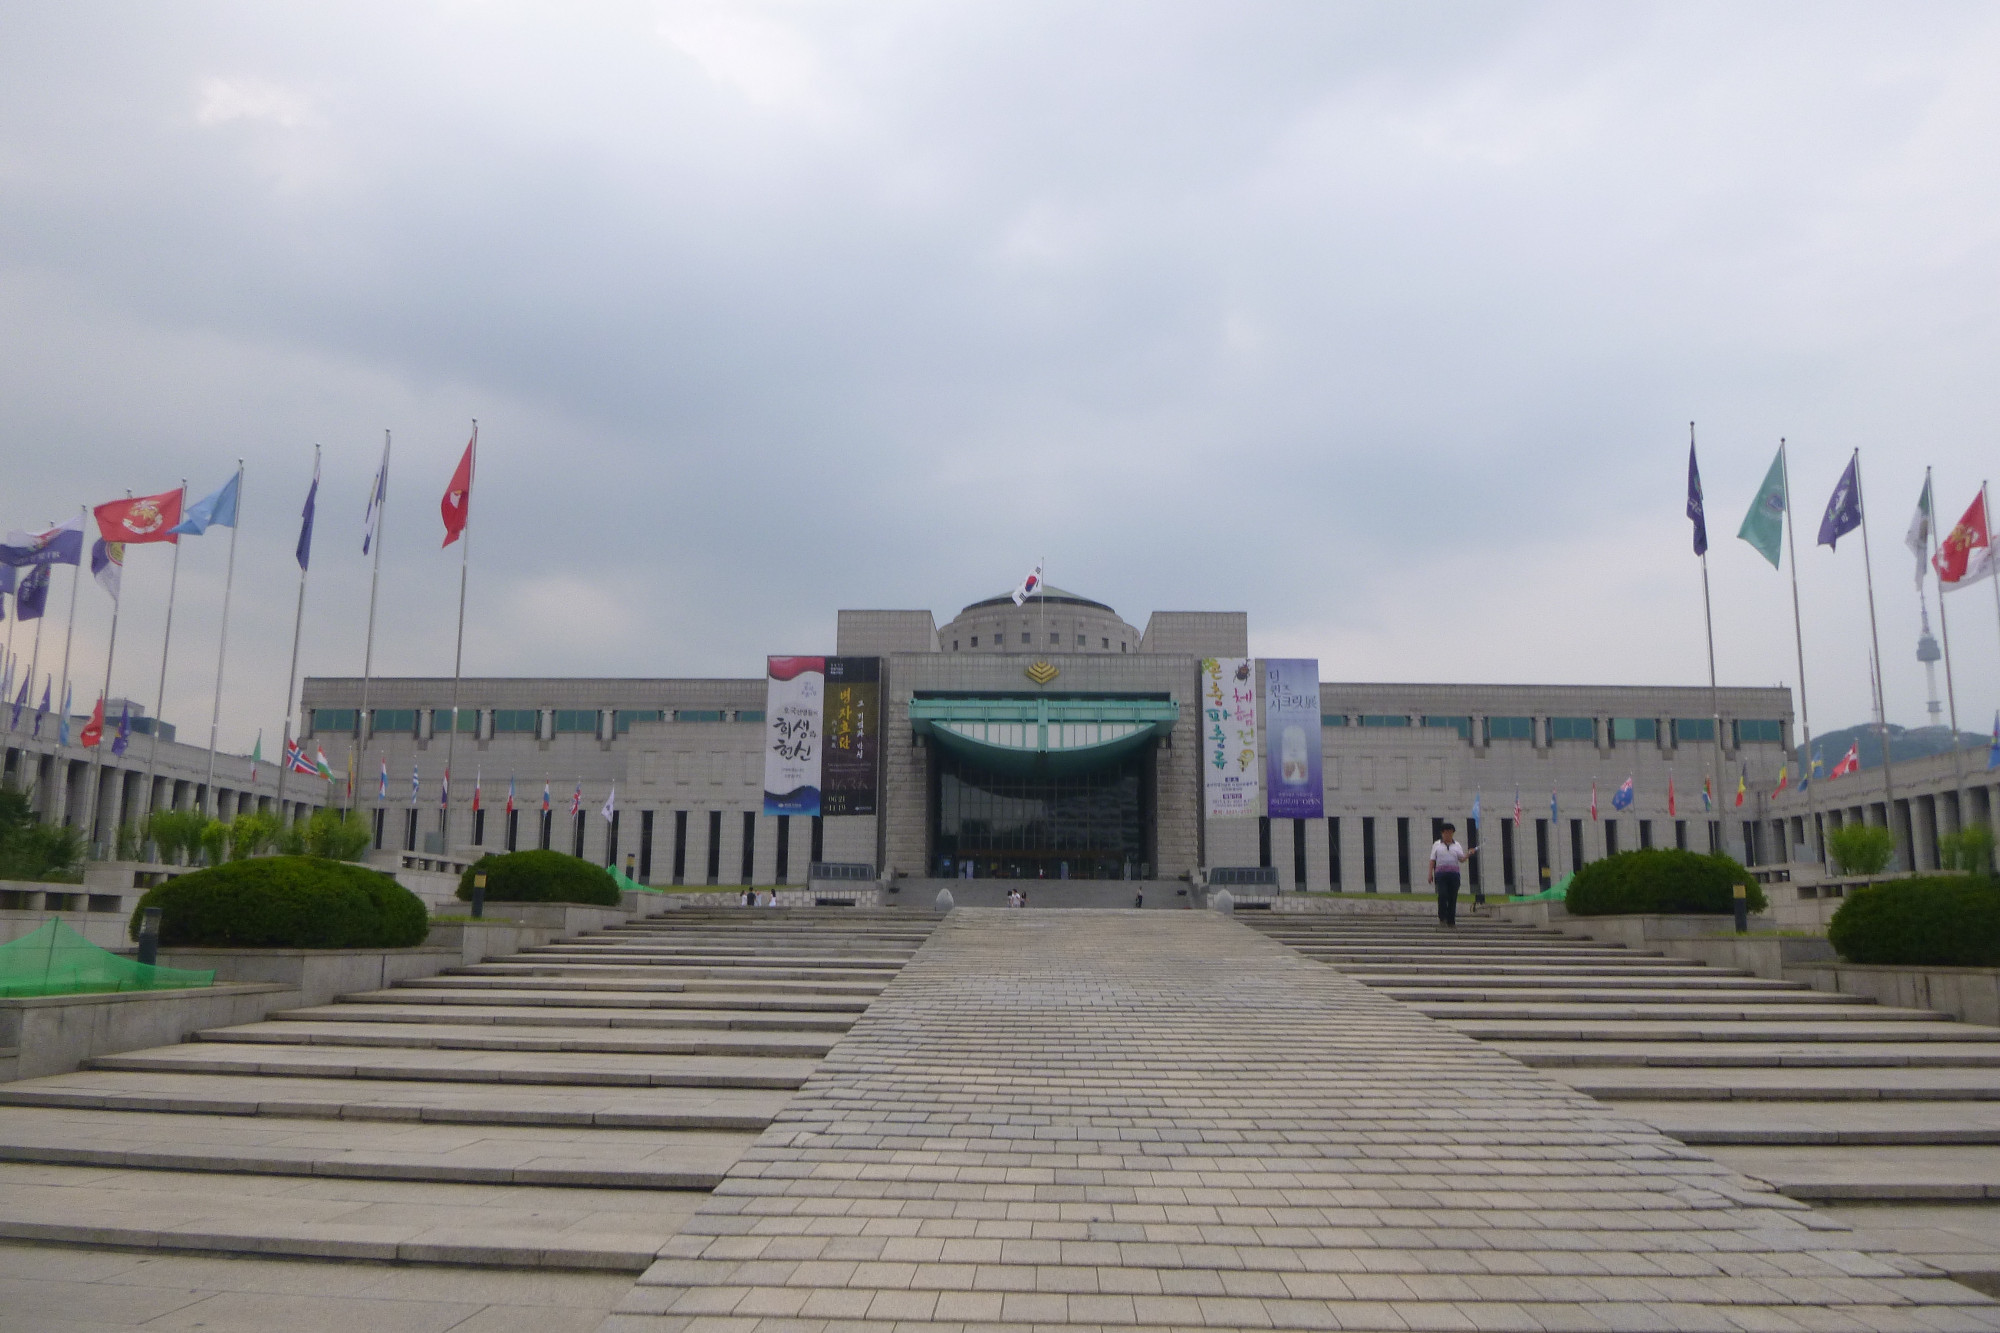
column 1764, row 526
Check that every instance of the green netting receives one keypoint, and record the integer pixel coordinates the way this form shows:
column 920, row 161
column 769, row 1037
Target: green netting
column 55, row 960
column 1556, row 893
column 631, row 884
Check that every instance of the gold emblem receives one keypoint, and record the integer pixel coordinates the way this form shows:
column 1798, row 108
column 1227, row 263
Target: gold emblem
column 1042, row 672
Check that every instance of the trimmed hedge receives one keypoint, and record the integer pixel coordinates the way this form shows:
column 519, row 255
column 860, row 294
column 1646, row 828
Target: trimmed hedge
column 1660, row 880
column 1931, row 921
column 286, row 902
column 541, row 877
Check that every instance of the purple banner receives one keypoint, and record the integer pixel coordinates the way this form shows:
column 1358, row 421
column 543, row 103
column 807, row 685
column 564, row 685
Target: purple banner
column 1291, row 739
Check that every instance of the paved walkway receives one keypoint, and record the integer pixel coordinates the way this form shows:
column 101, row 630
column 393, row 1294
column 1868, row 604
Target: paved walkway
column 1165, row 1119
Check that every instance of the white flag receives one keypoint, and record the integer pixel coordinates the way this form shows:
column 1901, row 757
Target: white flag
column 611, row 803
column 1029, row 585
column 378, row 495
column 1918, row 538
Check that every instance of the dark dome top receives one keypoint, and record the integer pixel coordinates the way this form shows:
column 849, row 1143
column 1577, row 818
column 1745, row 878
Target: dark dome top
column 1050, row 593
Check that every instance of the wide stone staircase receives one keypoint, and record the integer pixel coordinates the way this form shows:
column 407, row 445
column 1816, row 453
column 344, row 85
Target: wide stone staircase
column 565, row 1108
column 1886, row 1119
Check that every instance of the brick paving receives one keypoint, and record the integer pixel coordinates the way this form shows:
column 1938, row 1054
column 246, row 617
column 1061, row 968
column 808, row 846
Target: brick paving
column 1125, row 1119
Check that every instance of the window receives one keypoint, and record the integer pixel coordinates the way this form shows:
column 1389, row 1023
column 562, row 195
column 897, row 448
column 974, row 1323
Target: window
column 516, row 721
column 714, row 846
column 954, row 644
column 1333, row 719
column 395, row 722
column 975, row 641
column 513, row 830
column 1403, row 852
column 1634, row 729
column 749, row 715
column 1572, row 729
column 1333, row 852
column 1462, row 725
column 1510, row 729
column 749, row 867
column 1507, row 855
column 783, row 872
column 1753, row 731
column 645, row 846
column 625, row 717
column 468, row 720
column 1575, row 845
column 1299, row 854
column 1026, row 637
column 1055, row 637
column 1107, row 644
column 1692, row 729
column 1121, row 645
column 478, row 828
column 334, row 721
column 1082, row 642
column 697, row 715
column 1385, row 720
column 680, row 845
column 576, row 721
column 1264, row 840
column 1611, row 837
column 1368, row 853
column 1645, row 833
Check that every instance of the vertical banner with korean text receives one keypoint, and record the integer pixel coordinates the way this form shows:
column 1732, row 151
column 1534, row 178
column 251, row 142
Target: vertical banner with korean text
column 1291, row 738
column 794, row 719
column 1228, row 737
column 853, row 702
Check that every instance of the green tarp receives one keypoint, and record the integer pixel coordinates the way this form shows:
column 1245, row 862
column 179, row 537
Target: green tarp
column 631, row 884
column 1554, row 894
column 55, row 960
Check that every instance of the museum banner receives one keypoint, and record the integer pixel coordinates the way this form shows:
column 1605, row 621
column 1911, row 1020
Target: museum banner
column 1229, row 737
column 853, row 727
column 1291, row 738
column 794, row 721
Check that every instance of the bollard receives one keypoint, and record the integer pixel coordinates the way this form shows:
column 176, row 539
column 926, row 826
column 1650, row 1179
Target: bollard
column 478, row 895
column 945, row 902
column 149, row 937
column 1222, row 900
column 1742, row 905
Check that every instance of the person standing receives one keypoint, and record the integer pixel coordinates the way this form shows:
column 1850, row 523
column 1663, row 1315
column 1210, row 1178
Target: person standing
column 1448, row 857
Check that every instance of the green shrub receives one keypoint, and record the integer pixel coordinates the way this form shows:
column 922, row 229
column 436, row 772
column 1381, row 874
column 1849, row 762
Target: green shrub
column 1969, row 849
column 214, row 842
column 1660, row 879
column 32, row 848
column 1861, row 849
column 341, row 835
column 540, row 877
column 251, row 833
column 286, row 902
column 1931, row 921
column 176, row 834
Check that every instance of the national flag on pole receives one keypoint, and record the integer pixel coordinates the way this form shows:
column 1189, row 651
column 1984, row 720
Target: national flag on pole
column 1764, row 526
column 416, row 783
column 31, row 598
column 1554, row 817
column 1622, row 798
column 611, row 804
column 304, row 551
column 1993, row 754
column 216, row 509
column 576, row 797
column 545, row 798
column 20, row 702
column 62, row 718
column 257, row 755
column 41, row 709
column 1475, row 809
column 1707, row 794
column 93, row 730
column 1593, row 800
column 1843, row 508
column 124, row 736
column 1694, row 507
column 1918, row 536
column 107, row 565
column 59, row 545
column 348, row 796
column 444, row 790
column 1030, row 585
column 510, row 793
column 1784, row 779
column 1966, row 553
column 1742, row 784
column 457, row 503
column 1849, row 762
column 295, row 758
column 1671, row 812
column 1517, row 807
column 378, row 495
column 149, row 518
column 382, row 791
column 476, row 779
column 320, row 766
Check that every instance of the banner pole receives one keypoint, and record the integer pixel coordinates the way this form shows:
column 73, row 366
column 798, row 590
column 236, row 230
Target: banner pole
column 292, row 673
column 1950, row 691
column 458, row 653
column 69, row 634
column 97, row 751
column 1814, row 840
column 1881, row 707
column 208, row 801
column 1993, row 577
column 166, row 644
column 363, row 723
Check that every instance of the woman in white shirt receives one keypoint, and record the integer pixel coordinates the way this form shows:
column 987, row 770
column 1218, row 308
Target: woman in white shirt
column 1448, row 855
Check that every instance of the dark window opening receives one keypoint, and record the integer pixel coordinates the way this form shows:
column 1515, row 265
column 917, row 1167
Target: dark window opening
column 680, row 845
column 1333, row 852
column 611, row 840
column 576, row 835
column 1646, row 833
column 749, row 847
column 714, row 867
column 1263, row 840
column 1299, row 854
column 1368, row 854
column 1611, row 837
column 478, row 828
column 410, row 830
column 1575, row 845
column 381, row 818
column 546, row 834
column 819, row 838
column 645, row 846
column 1542, row 863
column 784, row 867
column 1507, row 877
column 1403, row 852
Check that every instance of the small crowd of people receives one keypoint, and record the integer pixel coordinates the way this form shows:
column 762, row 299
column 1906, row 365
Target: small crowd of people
column 754, row 898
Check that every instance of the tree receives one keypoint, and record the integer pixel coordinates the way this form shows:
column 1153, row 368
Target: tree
column 31, row 848
column 334, row 834
column 1861, row 849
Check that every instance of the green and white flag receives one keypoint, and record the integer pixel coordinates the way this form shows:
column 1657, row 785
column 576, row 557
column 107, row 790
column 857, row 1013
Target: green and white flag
column 1918, row 538
column 1764, row 526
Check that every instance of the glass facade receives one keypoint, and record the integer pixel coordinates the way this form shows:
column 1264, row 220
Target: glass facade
column 1510, row 728
column 1572, row 728
column 1635, row 729
column 574, row 721
column 1462, row 725
column 1755, row 731
column 1688, row 729
column 516, row 721
column 1093, row 825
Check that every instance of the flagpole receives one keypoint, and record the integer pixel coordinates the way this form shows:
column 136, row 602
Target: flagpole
column 69, row 634
column 292, row 673
column 1714, row 694
column 458, row 654
column 222, row 646
column 35, row 656
column 97, row 751
column 1817, row 841
column 1881, row 708
column 166, row 644
column 1950, row 691
column 363, row 723
column 1986, row 509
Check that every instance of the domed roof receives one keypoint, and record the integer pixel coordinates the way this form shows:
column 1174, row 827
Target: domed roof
column 1049, row 593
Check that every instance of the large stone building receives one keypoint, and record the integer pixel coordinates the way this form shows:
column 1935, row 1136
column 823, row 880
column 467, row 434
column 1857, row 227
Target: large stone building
column 1049, row 740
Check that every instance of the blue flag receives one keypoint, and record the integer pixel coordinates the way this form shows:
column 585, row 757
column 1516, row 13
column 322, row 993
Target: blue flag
column 1993, row 755
column 62, row 719
column 1843, row 510
column 124, row 737
column 217, row 509
column 60, row 545
column 1554, row 818
column 1475, row 808
column 1622, row 798
column 306, row 527
column 1694, row 504
column 7, row 578
column 20, row 702
column 32, row 597
column 43, row 707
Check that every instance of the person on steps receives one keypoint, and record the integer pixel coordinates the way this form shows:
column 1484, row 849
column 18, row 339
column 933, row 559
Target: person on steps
column 1448, row 856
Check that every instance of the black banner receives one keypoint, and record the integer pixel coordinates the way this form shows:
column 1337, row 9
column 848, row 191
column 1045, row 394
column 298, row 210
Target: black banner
column 852, row 727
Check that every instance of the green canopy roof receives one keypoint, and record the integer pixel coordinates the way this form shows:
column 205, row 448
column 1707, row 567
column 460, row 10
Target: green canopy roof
column 1043, row 735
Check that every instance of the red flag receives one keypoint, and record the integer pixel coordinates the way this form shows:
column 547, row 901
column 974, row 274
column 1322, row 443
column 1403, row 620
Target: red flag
column 150, row 518
column 1966, row 555
column 1670, row 796
column 475, row 789
column 1849, row 763
column 1593, row 799
column 93, row 730
column 457, row 505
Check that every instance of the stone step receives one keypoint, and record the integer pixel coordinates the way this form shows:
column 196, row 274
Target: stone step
column 1740, row 996
column 614, row 973
column 1640, row 972
column 470, row 1154
column 1767, row 1084
column 1721, row 1012
column 1803, row 1124
column 432, row 1065
column 506, row 1226
column 670, row 1008
column 749, row 1071
column 1961, row 1239
column 718, row 1038
column 1820, row 1028
column 1829, row 1054
column 659, row 993
column 457, row 1103
column 586, row 952
column 1612, row 983
column 688, row 972
column 1896, row 1174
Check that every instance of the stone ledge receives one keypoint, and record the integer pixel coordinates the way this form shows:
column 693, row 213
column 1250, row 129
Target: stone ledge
column 54, row 1034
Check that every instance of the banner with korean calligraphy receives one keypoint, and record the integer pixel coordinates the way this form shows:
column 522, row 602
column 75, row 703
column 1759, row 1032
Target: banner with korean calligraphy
column 853, row 727
column 794, row 722
column 1228, row 737
column 1291, row 738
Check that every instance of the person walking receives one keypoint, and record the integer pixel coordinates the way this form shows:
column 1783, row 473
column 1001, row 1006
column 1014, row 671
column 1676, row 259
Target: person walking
column 1448, row 856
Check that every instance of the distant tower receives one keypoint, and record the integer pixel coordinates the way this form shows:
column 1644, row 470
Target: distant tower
column 1928, row 654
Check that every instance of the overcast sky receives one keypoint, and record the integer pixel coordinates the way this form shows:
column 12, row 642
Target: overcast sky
column 1383, row 323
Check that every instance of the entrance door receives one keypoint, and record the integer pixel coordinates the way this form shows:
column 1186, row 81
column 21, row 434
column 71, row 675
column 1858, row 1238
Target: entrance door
column 1095, row 824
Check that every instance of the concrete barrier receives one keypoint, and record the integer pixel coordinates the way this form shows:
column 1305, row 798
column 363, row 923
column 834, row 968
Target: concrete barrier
column 1969, row 994
column 53, row 1034
column 318, row 975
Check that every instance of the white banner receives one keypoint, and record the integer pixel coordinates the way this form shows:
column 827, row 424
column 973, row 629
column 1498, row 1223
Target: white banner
column 794, row 719
column 1229, row 749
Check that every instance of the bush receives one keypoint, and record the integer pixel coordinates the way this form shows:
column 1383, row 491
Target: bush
column 1969, row 849
column 1931, row 921
column 286, row 902
column 1659, row 879
column 251, row 833
column 1861, row 849
column 176, row 833
column 339, row 835
column 31, row 848
column 540, row 877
